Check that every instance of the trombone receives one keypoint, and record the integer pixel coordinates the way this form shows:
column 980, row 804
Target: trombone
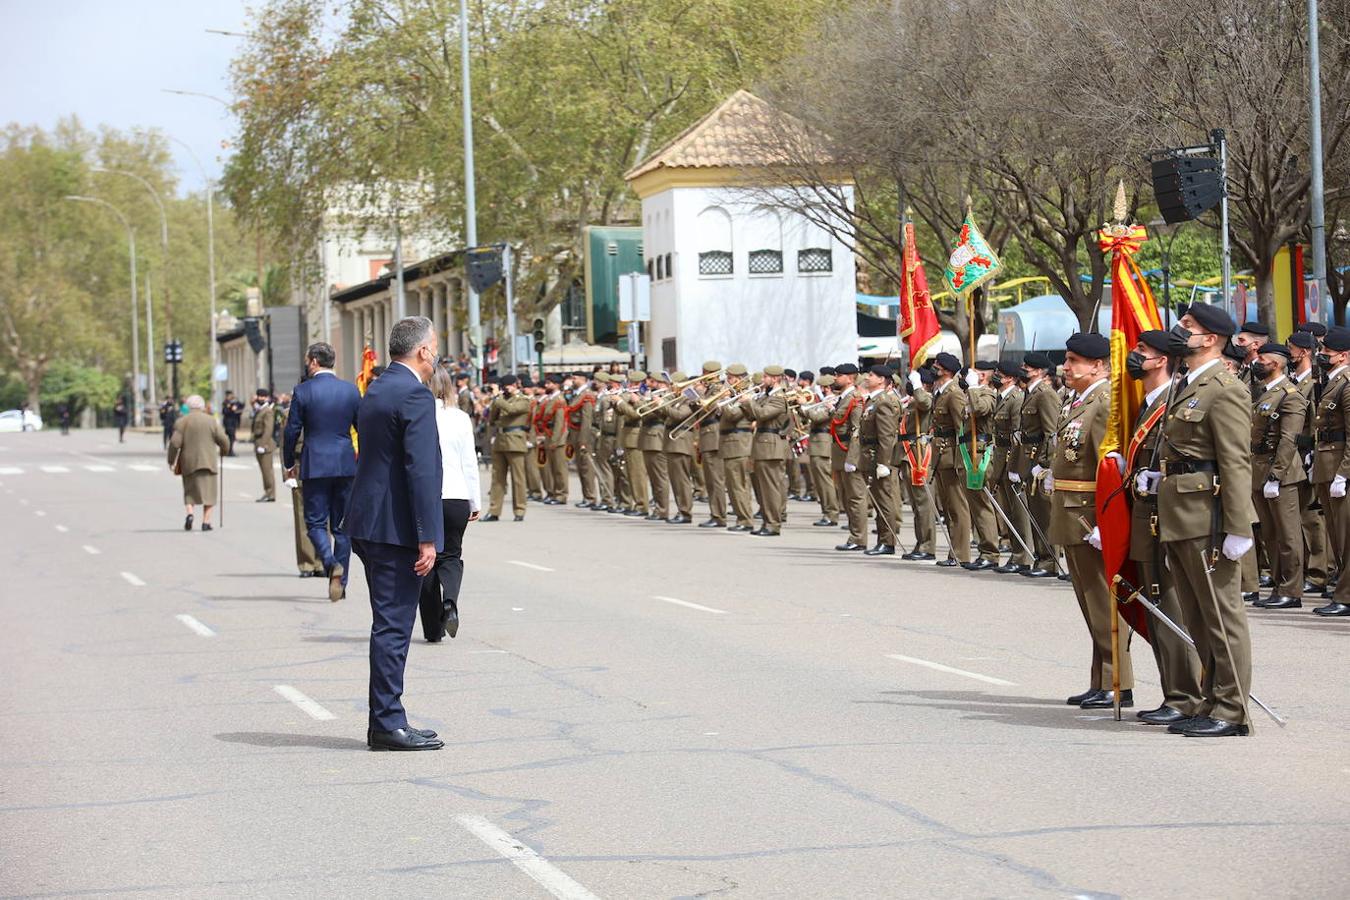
column 664, row 397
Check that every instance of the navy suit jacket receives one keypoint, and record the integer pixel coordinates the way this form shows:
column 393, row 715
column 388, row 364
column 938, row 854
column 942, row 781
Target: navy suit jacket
column 324, row 407
column 396, row 497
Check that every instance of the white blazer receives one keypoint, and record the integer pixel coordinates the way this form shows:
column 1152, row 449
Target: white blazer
column 459, row 460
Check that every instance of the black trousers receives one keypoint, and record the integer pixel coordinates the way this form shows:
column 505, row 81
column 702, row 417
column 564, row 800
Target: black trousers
column 440, row 587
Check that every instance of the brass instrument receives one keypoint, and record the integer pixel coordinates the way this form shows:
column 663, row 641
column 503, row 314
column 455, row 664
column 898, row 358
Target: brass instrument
column 709, row 405
column 664, row 397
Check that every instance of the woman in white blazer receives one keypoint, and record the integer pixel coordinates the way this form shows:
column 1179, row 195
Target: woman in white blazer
column 459, row 505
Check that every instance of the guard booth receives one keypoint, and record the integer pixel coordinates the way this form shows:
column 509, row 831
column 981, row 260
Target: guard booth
column 608, row 252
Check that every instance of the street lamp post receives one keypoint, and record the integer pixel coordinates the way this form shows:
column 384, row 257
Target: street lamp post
column 470, row 200
column 135, row 327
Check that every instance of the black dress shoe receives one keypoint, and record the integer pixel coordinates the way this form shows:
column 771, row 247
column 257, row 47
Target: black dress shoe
column 880, row 550
column 1310, row 588
column 1180, row 725
column 1333, row 610
column 1107, row 700
column 1163, row 715
column 654, row 517
column 206, row 526
column 741, row 529
column 401, row 739
column 1038, row 573
column 948, row 563
column 823, row 522
column 712, row 523
column 849, row 547
column 490, row 518
column 635, row 513
column 451, row 622
column 584, row 504
column 679, row 520
column 600, row 507
column 1275, row 601
column 1063, row 576
column 1266, row 581
column 978, row 565
column 1205, row 726
column 1010, row 568
column 519, row 519
column 187, row 524
column 1251, row 596
column 764, row 532
column 616, row 510
column 551, row 502
column 1079, row 698
column 916, row 556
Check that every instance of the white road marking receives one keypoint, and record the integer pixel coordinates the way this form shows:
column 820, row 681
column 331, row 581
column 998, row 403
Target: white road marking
column 238, row 467
column 92, row 551
column 314, row 710
column 195, row 625
column 99, row 469
column 529, row 565
column 23, row 502
column 549, row 877
column 142, row 467
column 132, row 579
column 61, row 528
column 39, row 513
column 245, row 495
column 55, row 470
column 10, row 470
column 487, row 651
column 987, row 679
column 686, row 603
column 517, row 609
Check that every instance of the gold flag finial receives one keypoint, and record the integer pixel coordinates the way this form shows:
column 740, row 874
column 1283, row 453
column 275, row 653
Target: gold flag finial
column 1121, row 209
column 970, row 204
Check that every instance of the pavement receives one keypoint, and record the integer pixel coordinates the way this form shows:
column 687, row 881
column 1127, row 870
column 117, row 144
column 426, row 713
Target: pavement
column 631, row 709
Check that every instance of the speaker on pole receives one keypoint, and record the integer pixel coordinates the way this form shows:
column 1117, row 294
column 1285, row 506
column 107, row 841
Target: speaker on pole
column 1186, row 186
column 253, row 333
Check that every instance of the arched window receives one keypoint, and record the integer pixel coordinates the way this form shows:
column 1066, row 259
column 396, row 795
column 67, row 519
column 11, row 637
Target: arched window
column 714, row 243
column 765, row 229
column 814, row 255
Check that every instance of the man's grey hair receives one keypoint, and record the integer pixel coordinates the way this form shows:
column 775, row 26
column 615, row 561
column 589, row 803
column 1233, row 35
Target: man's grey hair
column 408, row 334
column 195, row 401
column 322, row 353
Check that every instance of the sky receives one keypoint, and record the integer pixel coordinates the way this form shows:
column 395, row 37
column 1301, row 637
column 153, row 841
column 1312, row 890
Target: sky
column 108, row 61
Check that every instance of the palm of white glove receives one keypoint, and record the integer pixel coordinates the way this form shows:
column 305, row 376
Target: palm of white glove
column 915, row 381
column 1095, row 538
column 1235, row 546
column 1146, row 482
column 1270, row 490
column 883, row 471
column 1049, row 482
column 1120, row 461
column 1014, row 478
column 1037, row 471
column 972, row 379
column 1338, row 486
column 850, row 467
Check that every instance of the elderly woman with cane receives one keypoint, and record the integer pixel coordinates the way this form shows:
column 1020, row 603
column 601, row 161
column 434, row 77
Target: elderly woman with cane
column 459, row 506
column 192, row 455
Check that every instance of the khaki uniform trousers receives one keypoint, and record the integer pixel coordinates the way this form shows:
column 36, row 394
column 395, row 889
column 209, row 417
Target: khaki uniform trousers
column 635, row 466
column 952, row 485
column 853, row 492
column 1336, row 513
column 586, row 472
column 1282, row 533
column 557, row 473
column 715, row 481
column 822, row 485
column 1217, row 622
column 306, row 560
column 266, row 463
column 534, row 478
column 885, row 496
column 1039, row 504
column 700, row 479
column 678, row 467
column 658, row 478
column 984, row 520
column 924, row 509
column 1314, row 537
column 1094, row 600
column 738, row 488
column 1178, row 663
column 504, row 462
column 604, row 470
column 771, row 482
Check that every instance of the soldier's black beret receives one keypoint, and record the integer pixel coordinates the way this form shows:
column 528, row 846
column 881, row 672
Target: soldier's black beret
column 526, row 381
column 1277, row 349
column 1212, row 319
column 1088, row 345
column 948, row 362
column 985, row 365
column 1304, row 340
column 260, row 392
column 880, row 371
column 508, row 380
column 1316, row 329
column 1037, row 360
column 1337, row 339
column 846, row 369
column 828, row 370
column 1010, row 368
column 806, row 375
column 553, row 378
column 790, row 373
column 927, row 375
column 1255, row 328
column 1155, row 339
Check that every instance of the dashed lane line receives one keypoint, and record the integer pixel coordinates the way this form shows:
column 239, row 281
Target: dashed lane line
column 133, row 580
column 39, row 513
column 194, row 624
column 685, row 603
column 55, row 470
column 142, row 467
column 310, row 707
column 92, row 551
column 61, row 528
column 10, row 470
column 530, row 565
column 99, row 469
column 548, row 876
column 939, row 667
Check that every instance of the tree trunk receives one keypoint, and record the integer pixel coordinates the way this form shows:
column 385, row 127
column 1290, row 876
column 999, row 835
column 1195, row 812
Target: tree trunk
column 1265, row 293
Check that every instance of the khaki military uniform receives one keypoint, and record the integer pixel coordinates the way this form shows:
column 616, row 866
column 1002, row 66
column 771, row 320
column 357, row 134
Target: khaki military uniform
column 982, row 401
column 714, row 467
column 1279, row 414
column 1314, row 526
column 949, row 416
column 306, row 559
column 606, row 421
column 1331, row 457
column 581, row 441
column 1073, row 515
column 1205, row 493
column 678, row 448
column 771, row 417
column 635, row 466
column 735, row 434
column 878, row 430
column 509, row 419
column 464, row 400
column 916, row 415
column 653, row 442
column 846, row 451
column 818, row 459
column 555, row 440
column 265, row 447
column 536, row 469
column 1003, row 465
column 1040, row 415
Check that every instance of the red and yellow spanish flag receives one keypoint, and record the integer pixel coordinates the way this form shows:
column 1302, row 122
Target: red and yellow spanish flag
column 1133, row 311
column 917, row 322
column 367, row 374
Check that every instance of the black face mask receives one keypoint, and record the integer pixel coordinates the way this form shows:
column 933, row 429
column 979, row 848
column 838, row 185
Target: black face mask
column 1178, row 339
column 1324, row 361
column 1134, row 364
column 1260, row 370
column 996, row 381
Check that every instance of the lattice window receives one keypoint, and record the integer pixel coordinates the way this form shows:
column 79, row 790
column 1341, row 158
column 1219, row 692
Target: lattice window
column 815, row 259
column 660, row 267
column 714, row 262
column 670, row 272
column 651, row 269
column 765, row 262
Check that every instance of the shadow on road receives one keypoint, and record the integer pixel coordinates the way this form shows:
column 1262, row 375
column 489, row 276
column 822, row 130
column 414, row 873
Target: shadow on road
column 1037, row 712
column 285, row 598
column 278, row 739
column 338, row 639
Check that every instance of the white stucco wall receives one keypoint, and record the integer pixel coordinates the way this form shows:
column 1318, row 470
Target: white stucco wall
column 794, row 319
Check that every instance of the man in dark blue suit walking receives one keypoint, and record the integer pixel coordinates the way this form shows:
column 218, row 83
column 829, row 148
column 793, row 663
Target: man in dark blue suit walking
column 324, row 408
column 395, row 520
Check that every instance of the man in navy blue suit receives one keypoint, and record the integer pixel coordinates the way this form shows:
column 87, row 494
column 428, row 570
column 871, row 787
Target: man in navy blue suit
column 395, row 520
column 324, row 408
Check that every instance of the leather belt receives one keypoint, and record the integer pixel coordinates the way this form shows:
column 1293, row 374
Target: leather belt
column 869, row 442
column 1330, row 437
column 738, row 431
column 1033, row 438
column 516, row 428
column 1188, row 466
column 944, row 432
column 1000, row 441
column 1079, row 487
column 906, row 436
column 824, row 430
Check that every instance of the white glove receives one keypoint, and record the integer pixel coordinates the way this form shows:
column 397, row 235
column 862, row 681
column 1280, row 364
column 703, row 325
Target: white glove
column 619, row 453
column 260, row 450
column 850, row 467
column 883, row 471
column 1146, row 482
column 1271, row 490
column 1120, row 461
column 1048, row 482
column 291, row 483
column 1037, row 471
column 914, row 380
column 1095, row 539
column 1235, row 547
column 972, row 379
column 1014, row 478
column 1338, row 486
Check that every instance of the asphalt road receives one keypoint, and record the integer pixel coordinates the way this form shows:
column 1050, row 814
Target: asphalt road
column 630, row 710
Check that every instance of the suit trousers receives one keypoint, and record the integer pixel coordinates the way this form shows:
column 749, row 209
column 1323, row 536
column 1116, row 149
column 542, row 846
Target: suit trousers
column 952, row 486
column 394, row 592
column 636, row 467
column 325, row 508
column 557, row 464
column 822, row 484
column 659, row 480
column 267, row 464
column 1282, row 533
column 715, row 485
column 1217, row 622
column 1095, row 601
column 1178, row 663
column 440, row 588
column 853, row 492
column 681, row 481
column 306, row 559
column 506, row 463
column 771, row 479
column 1314, row 536
column 738, row 488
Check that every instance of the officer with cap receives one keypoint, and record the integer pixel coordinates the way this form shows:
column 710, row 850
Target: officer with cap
column 1002, row 466
column 981, row 400
column 606, row 437
column 509, row 419
column 1249, row 339
column 710, row 451
column 678, row 449
column 1302, row 372
column 949, row 417
column 1331, row 462
column 1040, row 416
column 735, row 433
column 1278, row 417
column 1205, row 516
column 846, row 457
column 914, row 461
column 818, row 452
column 770, row 415
column 1073, row 511
column 877, row 432
column 635, row 466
